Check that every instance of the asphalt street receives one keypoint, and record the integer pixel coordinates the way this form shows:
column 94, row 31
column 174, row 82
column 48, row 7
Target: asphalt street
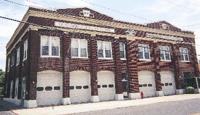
column 186, row 107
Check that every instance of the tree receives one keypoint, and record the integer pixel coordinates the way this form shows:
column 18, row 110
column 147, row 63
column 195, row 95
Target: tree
column 2, row 76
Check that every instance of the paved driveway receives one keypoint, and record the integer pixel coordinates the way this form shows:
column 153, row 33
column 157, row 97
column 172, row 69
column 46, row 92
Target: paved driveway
column 6, row 108
column 186, row 107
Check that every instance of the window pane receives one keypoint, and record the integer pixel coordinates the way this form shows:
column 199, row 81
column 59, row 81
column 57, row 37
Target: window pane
column 74, row 52
column 74, row 43
column 85, row 87
column 146, row 49
column 140, row 49
column 167, row 55
column 122, row 54
column 83, row 47
column 146, row 55
column 56, row 87
column 78, row 87
column 110, row 85
column 55, row 51
column 108, row 49
column 83, row 52
column 45, row 45
column 25, row 49
column 48, row 88
column 55, row 41
column 121, row 46
column 104, row 86
column 186, row 58
column 108, row 53
column 18, row 56
column 140, row 56
column 122, row 50
column 100, row 49
column 40, row 88
column 162, row 55
column 71, row 87
column 182, row 57
column 45, row 50
column 100, row 53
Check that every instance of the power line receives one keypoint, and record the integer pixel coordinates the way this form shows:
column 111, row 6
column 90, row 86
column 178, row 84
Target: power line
column 117, row 11
column 53, row 12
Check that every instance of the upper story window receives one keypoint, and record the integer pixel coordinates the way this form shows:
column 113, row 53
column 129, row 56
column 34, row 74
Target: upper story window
column 144, row 51
column 8, row 64
column 18, row 56
column 79, row 48
column 184, row 54
column 165, row 53
column 25, row 49
column 50, row 46
column 104, row 50
column 122, row 49
column 12, row 60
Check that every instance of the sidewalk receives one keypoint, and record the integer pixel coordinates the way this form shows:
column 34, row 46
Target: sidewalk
column 77, row 108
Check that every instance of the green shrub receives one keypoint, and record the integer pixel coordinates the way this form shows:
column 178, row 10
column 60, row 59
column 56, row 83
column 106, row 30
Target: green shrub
column 189, row 90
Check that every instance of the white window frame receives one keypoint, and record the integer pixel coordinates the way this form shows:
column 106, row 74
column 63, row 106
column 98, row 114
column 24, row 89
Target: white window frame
column 8, row 65
column 11, row 88
column 124, row 50
column 184, row 54
column 49, row 47
column 25, row 49
column 18, row 57
column 79, row 48
column 104, row 48
column 12, row 60
column 16, row 87
column 143, row 52
column 165, row 49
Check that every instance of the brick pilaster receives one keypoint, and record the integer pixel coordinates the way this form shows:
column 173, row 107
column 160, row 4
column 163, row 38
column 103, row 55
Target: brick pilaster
column 132, row 52
column 156, row 59
column 118, row 76
column 66, row 42
column 93, row 65
column 175, row 61
column 33, row 51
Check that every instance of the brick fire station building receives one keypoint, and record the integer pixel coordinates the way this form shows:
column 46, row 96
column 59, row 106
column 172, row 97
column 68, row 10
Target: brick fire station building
column 79, row 55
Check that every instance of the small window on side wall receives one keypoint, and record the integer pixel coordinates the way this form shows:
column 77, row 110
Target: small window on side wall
column 25, row 46
column 122, row 48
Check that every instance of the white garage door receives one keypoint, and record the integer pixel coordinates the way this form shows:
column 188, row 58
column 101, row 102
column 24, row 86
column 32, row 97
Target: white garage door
column 168, row 82
column 147, row 83
column 106, row 85
column 80, row 90
column 49, row 88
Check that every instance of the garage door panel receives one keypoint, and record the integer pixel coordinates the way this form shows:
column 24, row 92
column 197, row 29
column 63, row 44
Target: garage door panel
column 147, row 83
column 106, row 85
column 168, row 82
column 80, row 90
column 46, row 93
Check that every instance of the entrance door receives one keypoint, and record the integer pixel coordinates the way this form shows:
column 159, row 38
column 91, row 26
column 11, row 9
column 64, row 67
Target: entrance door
column 125, row 85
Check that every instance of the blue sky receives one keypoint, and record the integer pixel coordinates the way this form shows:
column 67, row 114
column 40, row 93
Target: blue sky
column 184, row 14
